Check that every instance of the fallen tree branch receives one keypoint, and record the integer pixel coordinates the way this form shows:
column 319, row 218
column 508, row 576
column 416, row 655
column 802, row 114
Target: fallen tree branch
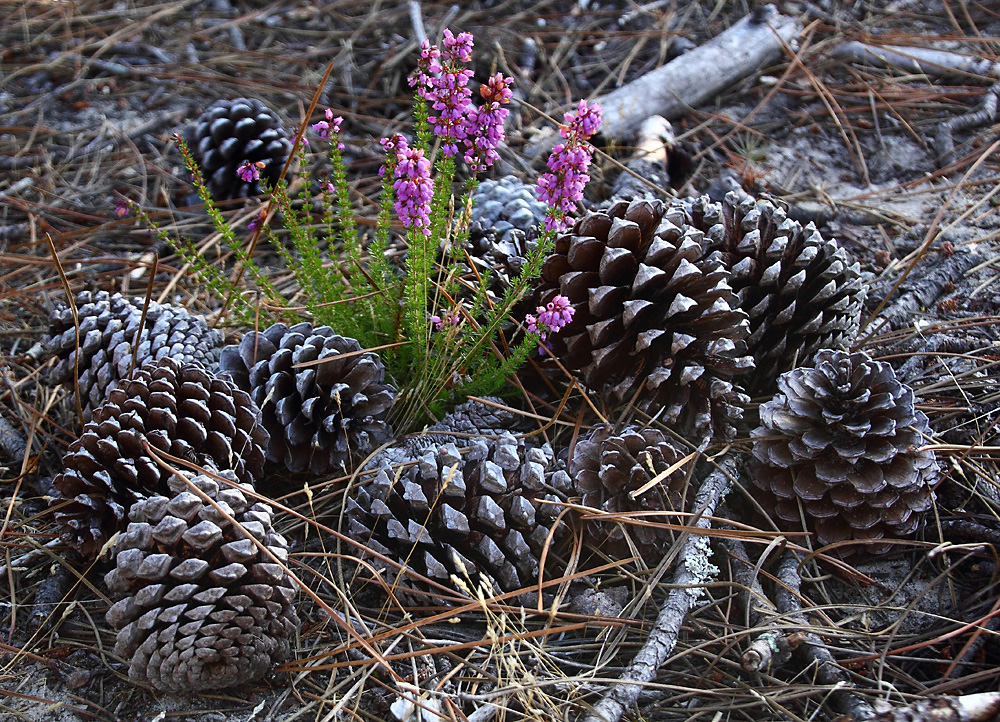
column 919, row 294
column 700, row 74
column 939, row 63
column 811, row 650
column 688, row 585
column 944, row 142
column 772, row 647
column 982, row 707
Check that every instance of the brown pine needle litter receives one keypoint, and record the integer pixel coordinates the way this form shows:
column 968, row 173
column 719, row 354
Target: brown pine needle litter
column 91, row 94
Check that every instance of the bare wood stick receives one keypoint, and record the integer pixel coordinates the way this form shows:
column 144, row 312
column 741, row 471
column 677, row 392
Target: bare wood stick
column 700, row 74
column 944, row 141
column 918, row 60
column 687, row 588
column 982, row 707
column 812, row 651
column 922, row 293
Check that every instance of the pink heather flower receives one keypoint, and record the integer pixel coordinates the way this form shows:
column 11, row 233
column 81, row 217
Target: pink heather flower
column 582, row 125
column 255, row 222
column 551, row 317
column 452, row 319
column 413, row 185
column 329, row 128
column 250, row 172
column 563, row 187
column 122, row 208
column 443, row 81
column 486, row 123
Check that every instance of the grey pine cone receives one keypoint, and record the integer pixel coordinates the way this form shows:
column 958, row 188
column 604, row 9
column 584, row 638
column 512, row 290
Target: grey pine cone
column 109, row 326
column 320, row 417
column 607, row 468
column 231, row 132
column 839, row 446
column 178, row 408
column 503, row 207
column 653, row 314
column 200, row 606
column 474, row 513
column 801, row 292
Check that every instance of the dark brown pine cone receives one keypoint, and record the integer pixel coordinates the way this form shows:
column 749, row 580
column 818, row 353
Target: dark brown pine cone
column 108, row 328
column 477, row 514
column 231, row 132
column 179, row 408
column 322, row 416
column 839, row 446
column 654, row 317
column 200, row 605
column 802, row 292
column 608, row 468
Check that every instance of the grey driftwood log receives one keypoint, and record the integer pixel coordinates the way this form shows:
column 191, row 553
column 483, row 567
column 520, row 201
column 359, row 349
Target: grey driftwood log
column 700, row 74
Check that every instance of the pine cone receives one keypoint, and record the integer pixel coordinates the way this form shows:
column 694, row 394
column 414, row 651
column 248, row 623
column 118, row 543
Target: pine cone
column 200, row 605
column 474, row 513
column 108, row 328
column 180, row 409
column 231, row 132
column 842, row 440
column 504, row 206
column 801, row 292
column 653, row 315
column 319, row 416
column 607, row 468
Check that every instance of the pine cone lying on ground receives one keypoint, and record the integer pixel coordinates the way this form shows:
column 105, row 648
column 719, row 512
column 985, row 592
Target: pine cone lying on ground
column 231, row 132
column 800, row 291
column 108, row 326
column 200, row 605
column 608, row 468
column 178, row 408
column 654, row 317
column 503, row 207
column 471, row 514
column 839, row 447
column 321, row 415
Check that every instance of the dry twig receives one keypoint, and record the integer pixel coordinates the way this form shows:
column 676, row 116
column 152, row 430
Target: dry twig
column 687, row 588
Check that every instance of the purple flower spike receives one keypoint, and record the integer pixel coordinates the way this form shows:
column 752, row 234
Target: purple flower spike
column 569, row 162
column 486, row 122
column 443, row 81
column 413, row 185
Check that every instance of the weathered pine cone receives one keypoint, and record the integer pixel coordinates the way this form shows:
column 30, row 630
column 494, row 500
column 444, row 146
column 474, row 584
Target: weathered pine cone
column 654, row 317
column 839, row 448
column 801, row 292
column 200, row 605
column 477, row 514
column 607, row 468
column 231, row 132
column 504, row 206
column 108, row 326
column 320, row 416
column 178, row 408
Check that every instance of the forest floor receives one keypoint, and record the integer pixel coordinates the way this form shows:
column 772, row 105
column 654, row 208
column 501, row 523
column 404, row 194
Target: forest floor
column 91, row 93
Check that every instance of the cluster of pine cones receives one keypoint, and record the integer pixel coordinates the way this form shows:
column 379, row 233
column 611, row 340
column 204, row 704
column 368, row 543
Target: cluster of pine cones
column 680, row 311
column 180, row 435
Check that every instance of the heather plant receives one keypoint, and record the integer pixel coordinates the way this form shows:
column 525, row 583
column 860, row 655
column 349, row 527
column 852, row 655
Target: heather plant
column 441, row 334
